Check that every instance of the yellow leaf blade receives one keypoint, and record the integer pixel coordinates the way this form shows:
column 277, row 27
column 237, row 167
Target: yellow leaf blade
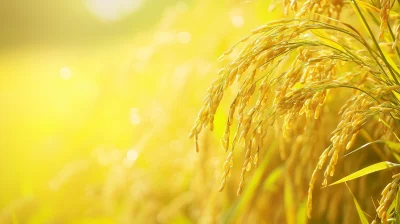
column 367, row 170
column 360, row 212
column 289, row 202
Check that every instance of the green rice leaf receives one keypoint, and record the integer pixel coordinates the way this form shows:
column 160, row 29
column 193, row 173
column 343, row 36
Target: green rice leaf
column 364, row 146
column 391, row 207
column 353, row 4
column 301, row 211
column 290, row 210
column 390, row 61
column 385, row 57
column 393, row 146
column 324, row 37
column 397, row 201
column 367, row 170
column 360, row 212
column 270, row 183
column 388, row 126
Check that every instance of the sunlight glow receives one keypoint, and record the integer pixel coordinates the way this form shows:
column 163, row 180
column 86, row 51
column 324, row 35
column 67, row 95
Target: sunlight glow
column 132, row 155
column 182, row 7
column 184, row 37
column 112, row 10
column 134, row 116
column 237, row 21
column 65, row 73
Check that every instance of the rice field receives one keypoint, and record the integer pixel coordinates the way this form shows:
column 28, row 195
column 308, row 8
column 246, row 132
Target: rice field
column 139, row 111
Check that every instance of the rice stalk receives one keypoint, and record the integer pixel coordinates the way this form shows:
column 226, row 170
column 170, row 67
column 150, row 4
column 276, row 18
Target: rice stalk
column 287, row 70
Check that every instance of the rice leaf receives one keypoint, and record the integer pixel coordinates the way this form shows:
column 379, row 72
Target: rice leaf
column 363, row 146
column 393, row 146
column 386, row 59
column 397, row 156
column 290, row 210
column 354, row 5
column 397, row 201
column 270, row 182
column 14, row 218
column 396, row 94
column 360, row 212
column 301, row 218
column 390, row 61
column 324, row 37
column 391, row 207
column 367, row 170
column 387, row 125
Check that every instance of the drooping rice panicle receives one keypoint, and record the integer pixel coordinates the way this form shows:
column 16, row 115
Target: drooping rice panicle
column 287, row 71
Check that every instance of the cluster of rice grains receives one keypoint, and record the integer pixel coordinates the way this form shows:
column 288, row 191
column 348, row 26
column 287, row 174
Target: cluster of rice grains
column 388, row 195
column 286, row 70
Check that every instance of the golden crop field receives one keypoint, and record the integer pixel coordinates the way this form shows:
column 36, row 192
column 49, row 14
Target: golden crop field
column 189, row 111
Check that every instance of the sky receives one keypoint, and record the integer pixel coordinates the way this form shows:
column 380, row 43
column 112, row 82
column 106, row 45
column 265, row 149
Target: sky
column 72, row 22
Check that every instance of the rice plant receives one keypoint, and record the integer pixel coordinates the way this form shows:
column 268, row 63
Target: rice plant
column 328, row 63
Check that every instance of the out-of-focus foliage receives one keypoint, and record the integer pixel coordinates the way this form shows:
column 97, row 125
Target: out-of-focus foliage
column 98, row 97
column 95, row 113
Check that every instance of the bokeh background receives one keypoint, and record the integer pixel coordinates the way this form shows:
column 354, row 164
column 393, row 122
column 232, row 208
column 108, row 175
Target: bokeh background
column 97, row 98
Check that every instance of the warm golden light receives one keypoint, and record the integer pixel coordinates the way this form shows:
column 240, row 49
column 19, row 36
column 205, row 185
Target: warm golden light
column 132, row 155
column 98, row 98
column 65, row 73
column 184, row 37
column 237, row 21
column 112, row 10
column 134, row 116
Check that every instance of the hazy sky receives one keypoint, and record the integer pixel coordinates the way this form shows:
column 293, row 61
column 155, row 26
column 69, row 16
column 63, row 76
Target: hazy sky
column 49, row 22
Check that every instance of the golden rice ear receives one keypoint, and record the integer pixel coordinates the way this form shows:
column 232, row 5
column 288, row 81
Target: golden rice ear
column 286, row 69
column 228, row 164
column 388, row 195
column 352, row 141
column 196, row 139
column 384, row 15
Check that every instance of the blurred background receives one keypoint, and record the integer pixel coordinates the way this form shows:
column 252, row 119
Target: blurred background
column 97, row 98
